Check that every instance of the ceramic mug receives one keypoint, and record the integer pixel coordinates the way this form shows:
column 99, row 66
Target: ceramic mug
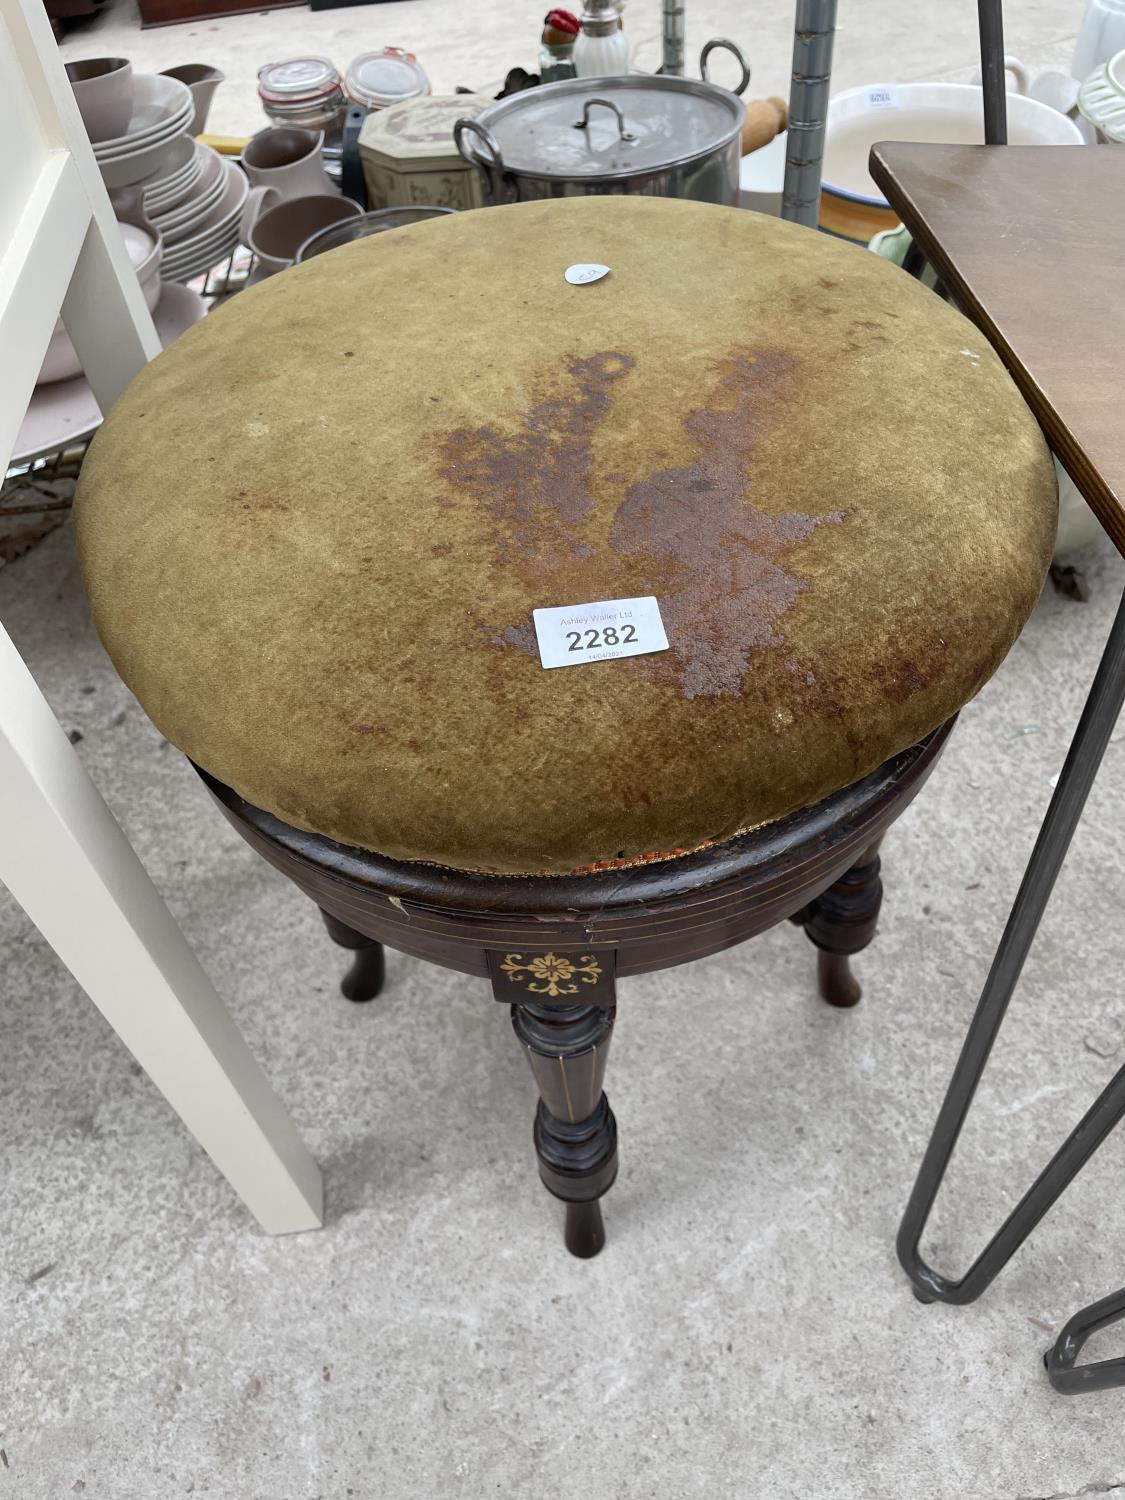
column 275, row 229
column 287, row 159
column 203, row 80
column 103, row 88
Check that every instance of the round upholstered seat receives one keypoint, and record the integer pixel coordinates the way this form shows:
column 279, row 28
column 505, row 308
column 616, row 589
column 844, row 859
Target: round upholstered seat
column 314, row 531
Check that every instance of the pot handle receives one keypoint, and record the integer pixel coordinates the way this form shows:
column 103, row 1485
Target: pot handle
column 726, row 45
column 492, row 165
column 583, row 123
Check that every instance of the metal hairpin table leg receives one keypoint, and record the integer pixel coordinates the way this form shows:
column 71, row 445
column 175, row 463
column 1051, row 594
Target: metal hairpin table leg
column 1083, row 759
column 914, row 261
column 1072, row 1380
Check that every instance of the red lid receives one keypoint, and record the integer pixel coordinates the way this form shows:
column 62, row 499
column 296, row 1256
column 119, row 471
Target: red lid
column 562, row 20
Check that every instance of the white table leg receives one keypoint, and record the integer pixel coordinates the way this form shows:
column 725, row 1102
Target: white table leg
column 68, row 864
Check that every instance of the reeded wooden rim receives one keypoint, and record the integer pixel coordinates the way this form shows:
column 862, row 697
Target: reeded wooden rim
column 861, row 810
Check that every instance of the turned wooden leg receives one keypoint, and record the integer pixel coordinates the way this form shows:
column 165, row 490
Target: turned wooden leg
column 841, row 921
column 563, row 1006
column 364, row 979
column 575, row 1131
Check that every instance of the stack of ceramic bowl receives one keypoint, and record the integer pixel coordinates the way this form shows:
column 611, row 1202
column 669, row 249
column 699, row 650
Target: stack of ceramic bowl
column 178, row 175
column 200, row 226
column 162, row 110
column 139, row 129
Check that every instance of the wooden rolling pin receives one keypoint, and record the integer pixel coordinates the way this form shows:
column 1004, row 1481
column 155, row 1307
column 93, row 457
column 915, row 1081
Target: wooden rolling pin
column 765, row 118
column 234, row 145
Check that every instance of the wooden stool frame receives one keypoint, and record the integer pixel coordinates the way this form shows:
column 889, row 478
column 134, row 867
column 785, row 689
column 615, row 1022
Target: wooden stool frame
column 554, row 947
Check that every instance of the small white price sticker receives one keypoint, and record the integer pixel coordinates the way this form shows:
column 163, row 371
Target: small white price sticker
column 882, row 98
column 576, row 633
column 584, row 271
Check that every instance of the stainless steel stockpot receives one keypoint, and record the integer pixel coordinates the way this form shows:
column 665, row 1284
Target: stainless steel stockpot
column 658, row 136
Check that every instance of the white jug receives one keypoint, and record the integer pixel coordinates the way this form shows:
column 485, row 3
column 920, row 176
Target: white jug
column 1100, row 37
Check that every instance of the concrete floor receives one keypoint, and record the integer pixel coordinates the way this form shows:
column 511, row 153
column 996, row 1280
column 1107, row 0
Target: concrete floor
column 747, row 1332
column 878, row 41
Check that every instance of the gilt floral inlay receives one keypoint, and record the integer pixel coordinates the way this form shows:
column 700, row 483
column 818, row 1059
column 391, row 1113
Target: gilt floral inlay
column 550, row 974
column 691, row 534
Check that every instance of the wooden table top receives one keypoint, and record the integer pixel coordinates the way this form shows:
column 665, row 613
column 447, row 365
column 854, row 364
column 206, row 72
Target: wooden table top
column 1030, row 241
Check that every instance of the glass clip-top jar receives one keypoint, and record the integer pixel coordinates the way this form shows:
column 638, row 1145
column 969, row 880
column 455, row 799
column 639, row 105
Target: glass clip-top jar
column 304, row 91
column 380, row 79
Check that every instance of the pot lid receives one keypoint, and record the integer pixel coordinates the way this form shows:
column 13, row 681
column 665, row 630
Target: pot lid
column 655, row 122
column 387, row 77
column 1101, row 99
column 297, row 78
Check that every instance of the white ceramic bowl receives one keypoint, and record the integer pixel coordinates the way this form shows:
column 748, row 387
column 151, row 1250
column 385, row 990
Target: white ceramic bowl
column 949, row 113
column 851, row 206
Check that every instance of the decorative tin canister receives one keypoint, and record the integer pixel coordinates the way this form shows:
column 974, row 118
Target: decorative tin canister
column 409, row 155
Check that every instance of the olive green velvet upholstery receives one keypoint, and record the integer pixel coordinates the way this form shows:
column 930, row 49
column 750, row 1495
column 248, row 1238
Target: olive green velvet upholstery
column 313, row 532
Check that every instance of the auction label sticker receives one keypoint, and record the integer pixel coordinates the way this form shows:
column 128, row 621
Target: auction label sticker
column 885, row 97
column 577, row 633
column 583, row 271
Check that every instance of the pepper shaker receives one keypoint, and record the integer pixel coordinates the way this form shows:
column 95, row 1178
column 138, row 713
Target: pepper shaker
column 556, row 46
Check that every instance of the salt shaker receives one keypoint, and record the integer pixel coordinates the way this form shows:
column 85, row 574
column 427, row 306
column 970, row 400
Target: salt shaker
column 601, row 50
